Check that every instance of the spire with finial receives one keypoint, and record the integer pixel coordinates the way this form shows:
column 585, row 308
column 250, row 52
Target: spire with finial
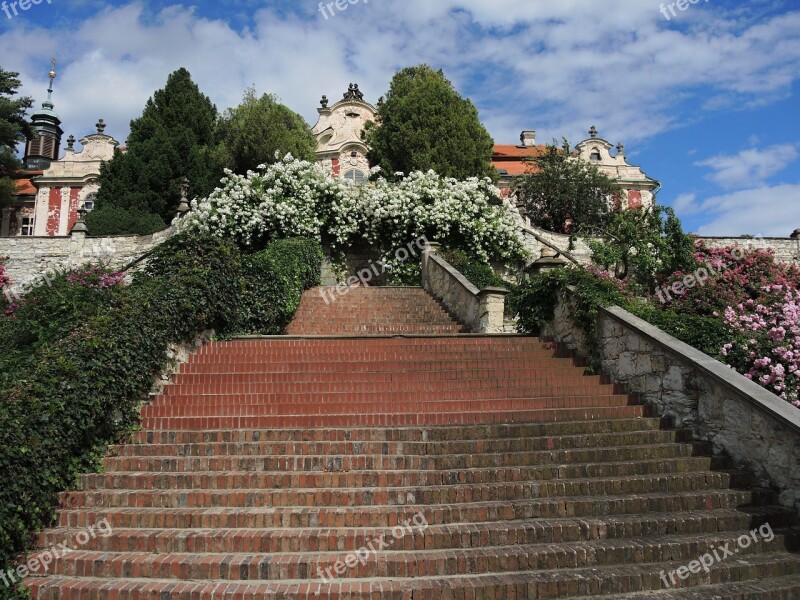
column 621, row 148
column 44, row 147
column 71, row 142
column 593, row 132
column 101, row 126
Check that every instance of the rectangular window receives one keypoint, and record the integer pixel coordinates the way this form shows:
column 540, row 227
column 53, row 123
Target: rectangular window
column 27, row 226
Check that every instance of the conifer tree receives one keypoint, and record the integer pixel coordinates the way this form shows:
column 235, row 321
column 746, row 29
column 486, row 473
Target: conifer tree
column 14, row 129
column 425, row 124
column 253, row 132
column 172, row 139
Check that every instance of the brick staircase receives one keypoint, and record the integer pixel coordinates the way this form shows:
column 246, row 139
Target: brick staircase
column 371, row 311
column 408, row 468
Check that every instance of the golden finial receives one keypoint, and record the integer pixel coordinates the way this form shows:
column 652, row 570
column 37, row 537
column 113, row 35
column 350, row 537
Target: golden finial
column 53, row 69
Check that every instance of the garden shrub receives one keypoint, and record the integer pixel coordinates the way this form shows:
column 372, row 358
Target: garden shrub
column 81, row 389
column 113, row 220
column 273, row 281
column 477, row 272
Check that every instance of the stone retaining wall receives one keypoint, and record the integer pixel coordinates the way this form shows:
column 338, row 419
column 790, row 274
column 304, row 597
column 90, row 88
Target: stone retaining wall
column 758, row 430
column 30, row 258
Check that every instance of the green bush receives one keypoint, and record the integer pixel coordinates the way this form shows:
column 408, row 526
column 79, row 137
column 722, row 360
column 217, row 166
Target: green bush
column 535, row 300
column 273, row 281
column 113, row 220
column 477, row 272
column 83, row 383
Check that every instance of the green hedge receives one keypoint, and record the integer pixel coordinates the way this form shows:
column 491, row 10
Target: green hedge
column 87, row 373
column 112, row 220
column 273, row 281
column 535, row 300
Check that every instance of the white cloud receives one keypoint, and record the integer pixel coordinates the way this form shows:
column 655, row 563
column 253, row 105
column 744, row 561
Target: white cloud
column 557, row 67
column 750, row 167
column 766, row 211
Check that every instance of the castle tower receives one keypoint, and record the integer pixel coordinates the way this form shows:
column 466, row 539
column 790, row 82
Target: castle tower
column 44, row 148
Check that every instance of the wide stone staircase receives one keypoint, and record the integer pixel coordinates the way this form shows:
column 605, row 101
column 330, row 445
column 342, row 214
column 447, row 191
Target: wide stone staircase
column 411, row 468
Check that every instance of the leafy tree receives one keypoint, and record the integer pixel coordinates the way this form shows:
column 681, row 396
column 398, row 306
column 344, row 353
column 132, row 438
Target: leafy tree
column 13, row 129
column 252, row 133
column 645, row 245
column 425, row 124
column 172, row 139
column 561, row 193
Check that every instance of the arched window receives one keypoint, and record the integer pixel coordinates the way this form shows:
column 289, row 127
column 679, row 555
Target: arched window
column 355, row 176
column 595, row 155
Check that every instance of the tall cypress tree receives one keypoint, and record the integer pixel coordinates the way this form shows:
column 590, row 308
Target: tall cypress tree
column 172, row 139
column 14, row 128
column 425, row 124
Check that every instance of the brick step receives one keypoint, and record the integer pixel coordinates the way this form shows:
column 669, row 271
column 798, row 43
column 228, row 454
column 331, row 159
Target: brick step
column 403, row 563
column 510, row 377
column 368, row 365
column 388, row 516
column 565, row 458
column 429, row 449
column 363, row 487
column 495, row 342
column 378, row 353
column 549, row 506
column 391, row 419
column 520, row 386
column 357, row 404
column 356, row 434
column 318, row 467
column 612, row 581
column 778, row 588
column 451, row 536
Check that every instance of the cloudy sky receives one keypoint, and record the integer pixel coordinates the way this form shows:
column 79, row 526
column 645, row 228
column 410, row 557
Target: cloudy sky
column 706, row 99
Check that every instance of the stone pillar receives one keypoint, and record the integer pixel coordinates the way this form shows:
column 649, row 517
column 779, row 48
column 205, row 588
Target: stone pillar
column 492, row 307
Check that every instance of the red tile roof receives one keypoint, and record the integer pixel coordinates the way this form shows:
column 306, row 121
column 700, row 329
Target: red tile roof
column 513, row 159
column 25, row 187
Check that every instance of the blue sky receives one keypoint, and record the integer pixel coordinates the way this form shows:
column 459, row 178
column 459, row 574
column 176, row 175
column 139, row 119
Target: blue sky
column 705, row 101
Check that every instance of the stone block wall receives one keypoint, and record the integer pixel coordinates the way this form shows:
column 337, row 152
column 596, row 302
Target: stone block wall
column 758, row 430
column 28, row 259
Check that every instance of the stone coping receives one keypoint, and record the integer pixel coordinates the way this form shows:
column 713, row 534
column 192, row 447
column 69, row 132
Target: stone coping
column 761, row 398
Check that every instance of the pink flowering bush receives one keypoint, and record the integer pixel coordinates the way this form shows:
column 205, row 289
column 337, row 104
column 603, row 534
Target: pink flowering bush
column 6, row 306
column 771, row 357
column 97, row 278
column 728, row 277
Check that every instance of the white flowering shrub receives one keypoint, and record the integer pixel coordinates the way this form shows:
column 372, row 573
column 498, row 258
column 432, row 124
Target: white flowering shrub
column 297, row 198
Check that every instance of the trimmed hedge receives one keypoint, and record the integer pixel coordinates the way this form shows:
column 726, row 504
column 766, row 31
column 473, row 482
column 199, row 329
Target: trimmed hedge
column 273, row 281
column 82, row 385
column 112, row 220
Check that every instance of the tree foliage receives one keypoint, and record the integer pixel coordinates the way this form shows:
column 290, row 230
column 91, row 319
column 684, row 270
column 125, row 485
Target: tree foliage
column 644, row 244
column 252, row 133
column 425, row 124
column 172, row 139
column 14, row 128
column 561, row 192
